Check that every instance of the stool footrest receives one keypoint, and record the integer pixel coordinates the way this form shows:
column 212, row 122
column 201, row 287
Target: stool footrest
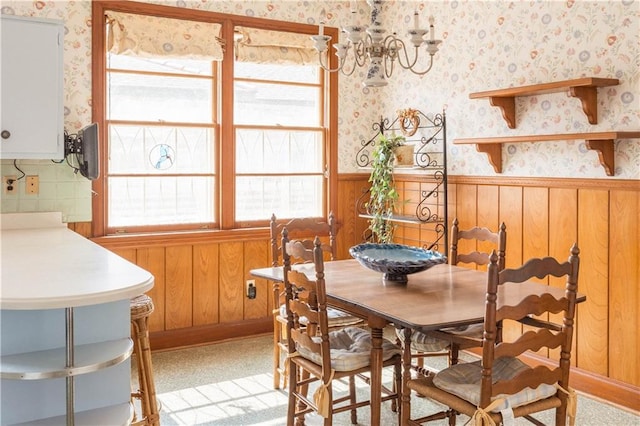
column 141, row 308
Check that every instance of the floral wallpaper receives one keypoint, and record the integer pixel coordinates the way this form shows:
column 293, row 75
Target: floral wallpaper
column 497, row 44
column 486, row 45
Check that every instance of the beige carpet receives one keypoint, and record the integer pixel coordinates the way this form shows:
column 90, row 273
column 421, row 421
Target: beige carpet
column 231, row 384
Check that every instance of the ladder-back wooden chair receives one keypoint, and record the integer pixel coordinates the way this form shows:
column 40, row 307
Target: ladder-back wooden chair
column 449, row 342
column 500, row 386
column 318, row 357
column 309, row 228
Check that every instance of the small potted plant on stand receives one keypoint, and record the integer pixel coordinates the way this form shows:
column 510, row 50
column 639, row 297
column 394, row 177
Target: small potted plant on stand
column 383, row 196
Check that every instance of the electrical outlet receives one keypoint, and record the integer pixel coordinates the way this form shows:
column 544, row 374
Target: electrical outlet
column 251, row 289
column 33, row 185
column 10, row 184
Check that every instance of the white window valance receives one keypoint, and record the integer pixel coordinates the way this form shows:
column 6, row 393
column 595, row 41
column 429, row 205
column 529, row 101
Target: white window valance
column 152, row 36
column 279, row 47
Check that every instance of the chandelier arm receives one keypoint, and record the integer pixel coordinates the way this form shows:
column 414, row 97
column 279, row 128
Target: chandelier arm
column 388, row 66
column 353, row 67
column 360, row 51
column 326, row 67
column 425, row 71
column 408, row 66
column 402, row 51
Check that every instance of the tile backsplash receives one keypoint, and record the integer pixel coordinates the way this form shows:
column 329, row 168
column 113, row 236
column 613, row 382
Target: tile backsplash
column 60, row 190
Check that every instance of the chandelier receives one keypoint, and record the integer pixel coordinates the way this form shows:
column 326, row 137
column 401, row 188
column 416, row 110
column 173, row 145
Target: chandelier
column 369, row 44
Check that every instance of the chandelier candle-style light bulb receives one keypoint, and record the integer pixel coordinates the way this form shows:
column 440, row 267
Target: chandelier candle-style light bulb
column 368, row 46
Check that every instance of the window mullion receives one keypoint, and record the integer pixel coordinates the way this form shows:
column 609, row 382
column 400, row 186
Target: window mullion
column 226, row 148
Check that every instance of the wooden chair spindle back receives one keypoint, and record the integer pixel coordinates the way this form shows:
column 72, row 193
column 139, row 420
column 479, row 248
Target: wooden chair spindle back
column 498, row 239
column 306, row 298
column 547, row 335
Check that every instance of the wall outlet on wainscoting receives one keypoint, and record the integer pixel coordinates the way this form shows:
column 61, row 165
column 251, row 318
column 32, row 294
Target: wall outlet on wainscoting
column 251, row 289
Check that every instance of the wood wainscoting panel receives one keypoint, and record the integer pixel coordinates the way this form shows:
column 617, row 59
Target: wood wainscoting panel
column 350, row 226
column 153, row 260
column 602, row 215
column 466, row 214
column 205, row 284
column 82, row 228
column 512, row 215
column 563, row 233
column 488, row 215
column 535, row 232
column 624, row 286
column 256, row 255
column 535, row 222
column 593, row 315
column 129, row 254
column 178, row 287
column 232, row 282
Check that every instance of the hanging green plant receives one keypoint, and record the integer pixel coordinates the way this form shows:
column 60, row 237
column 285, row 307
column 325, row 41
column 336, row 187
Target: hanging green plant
column 383, row 195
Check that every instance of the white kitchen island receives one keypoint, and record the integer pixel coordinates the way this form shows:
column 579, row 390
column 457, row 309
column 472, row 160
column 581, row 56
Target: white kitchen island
column 65, row 325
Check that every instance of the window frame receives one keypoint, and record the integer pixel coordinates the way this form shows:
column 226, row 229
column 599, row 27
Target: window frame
column 225, row 128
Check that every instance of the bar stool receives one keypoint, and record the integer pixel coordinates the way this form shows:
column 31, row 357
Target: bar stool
column 141, row 308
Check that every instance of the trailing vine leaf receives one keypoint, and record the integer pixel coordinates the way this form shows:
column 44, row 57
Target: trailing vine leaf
column 383, row 196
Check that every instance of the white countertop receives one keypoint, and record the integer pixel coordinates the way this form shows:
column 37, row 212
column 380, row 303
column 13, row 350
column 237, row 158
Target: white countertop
column 53, row 267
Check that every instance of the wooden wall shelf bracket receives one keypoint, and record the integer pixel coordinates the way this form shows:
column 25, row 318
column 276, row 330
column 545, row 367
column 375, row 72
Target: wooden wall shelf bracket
column 588, row 96
column 605, row 150
column 585, row 89
column 494, row 152
column 507, row 106
column 601, row 142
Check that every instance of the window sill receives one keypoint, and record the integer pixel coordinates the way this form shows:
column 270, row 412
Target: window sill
column 140, row 240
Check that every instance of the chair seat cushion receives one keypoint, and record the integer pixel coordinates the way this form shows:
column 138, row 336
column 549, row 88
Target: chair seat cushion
column 473, row 330
column 464, row 380
column 423, row 342
column 337, row 318
column 350, row 349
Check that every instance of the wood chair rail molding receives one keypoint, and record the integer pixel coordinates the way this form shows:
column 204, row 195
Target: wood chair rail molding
column 585, row 89
column 601, row 142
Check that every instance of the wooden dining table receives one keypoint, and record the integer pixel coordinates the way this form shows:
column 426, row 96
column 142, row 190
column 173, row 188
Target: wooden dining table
column 442, row 296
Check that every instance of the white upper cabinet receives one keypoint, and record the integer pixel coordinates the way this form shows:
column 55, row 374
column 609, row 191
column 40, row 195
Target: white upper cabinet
column 31, row 115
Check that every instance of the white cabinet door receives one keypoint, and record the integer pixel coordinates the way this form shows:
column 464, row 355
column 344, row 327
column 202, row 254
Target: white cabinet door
column 31, row 115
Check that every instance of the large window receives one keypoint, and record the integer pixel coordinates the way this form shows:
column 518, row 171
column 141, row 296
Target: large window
column 161, row 142
column 279, row 141
column 181, row 150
